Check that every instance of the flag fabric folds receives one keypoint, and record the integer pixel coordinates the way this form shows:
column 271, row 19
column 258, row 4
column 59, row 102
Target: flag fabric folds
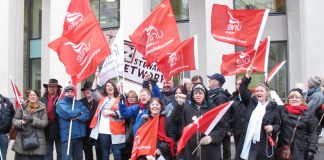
column 238, row 27
column 82, row 48
column 204, row 124
column 145, row 139
column 184, row 58
column 77, row 11
column 238, row 62
column 157, row 34
column 19, row 97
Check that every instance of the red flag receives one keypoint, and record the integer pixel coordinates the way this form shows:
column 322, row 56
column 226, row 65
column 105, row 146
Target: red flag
column 77, row 11
column 239, row 27
column 158, row 34
column 204, row 124
column 145, row 139
column 238, row 62
column 19, row 97
column 274, row 71
column 82, row 49
column 184, row 58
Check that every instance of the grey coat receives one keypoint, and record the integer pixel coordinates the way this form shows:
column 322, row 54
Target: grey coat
column 39, row 123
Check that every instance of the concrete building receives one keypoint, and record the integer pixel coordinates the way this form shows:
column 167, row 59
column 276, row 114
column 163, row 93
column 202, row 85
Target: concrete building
column 295, row 27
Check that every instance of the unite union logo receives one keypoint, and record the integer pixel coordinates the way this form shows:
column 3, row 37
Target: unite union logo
column 153, row 34
column 244, row 59
column 233, row 24
column 74, row 19
column 81, row 49
column 173, row 58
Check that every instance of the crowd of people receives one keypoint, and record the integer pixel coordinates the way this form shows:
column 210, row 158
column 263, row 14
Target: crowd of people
column 108, row 120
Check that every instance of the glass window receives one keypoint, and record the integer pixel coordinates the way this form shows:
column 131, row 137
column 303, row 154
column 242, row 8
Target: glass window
column 277, row 54
column 180, row 8
column 275, row 6
column 107, row 11
column 36, row 19
column 35, row 48
column 35, row 74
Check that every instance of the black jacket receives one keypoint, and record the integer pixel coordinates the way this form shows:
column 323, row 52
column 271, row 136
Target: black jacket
column 219, row 96
column 305, row 137
column 92, row 106
column 237, row 112
column 7, row 112
column 52, row 130
column 271, row 117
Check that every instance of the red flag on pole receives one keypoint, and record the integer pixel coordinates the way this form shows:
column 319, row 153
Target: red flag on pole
column 82, row 49
column 158, row 33
column 238, row 62
column 184, row 58
column 274, row 71
column 77, row 11
column 204, row 124
column 19, row 97
column 239, row 27
column 145, row 139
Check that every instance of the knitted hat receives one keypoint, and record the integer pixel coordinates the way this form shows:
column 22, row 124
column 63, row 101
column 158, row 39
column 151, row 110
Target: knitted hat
column 314, row 81
column 298, row 90
column 199, row 86
column 69, row 87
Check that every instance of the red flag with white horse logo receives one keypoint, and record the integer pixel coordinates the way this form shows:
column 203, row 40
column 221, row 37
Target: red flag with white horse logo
column 77, row 11
column 184, row 58
column 157, row 34
column 82, row 48
column 238, row 27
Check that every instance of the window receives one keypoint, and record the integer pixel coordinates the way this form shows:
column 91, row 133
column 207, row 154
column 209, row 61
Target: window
column 277, row 54
column 36, row 19
column 107, row 12
column 180, row 8
column 275, row 6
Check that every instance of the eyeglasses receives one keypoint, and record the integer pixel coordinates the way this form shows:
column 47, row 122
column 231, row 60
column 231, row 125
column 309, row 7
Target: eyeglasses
column 155, row 104
column 295, row 97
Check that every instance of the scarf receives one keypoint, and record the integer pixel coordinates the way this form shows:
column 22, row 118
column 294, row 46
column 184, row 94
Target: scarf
column 254, row 129
column 163, row 137
column 33, row 107
column 297, row 110
column 141, row 105
column 50, row 107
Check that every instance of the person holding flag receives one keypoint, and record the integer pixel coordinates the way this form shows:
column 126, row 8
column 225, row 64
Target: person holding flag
column 199, row 146
column 164, row 144
column 30, row 119
column 7, row 113
column 262, row 120
column 69, row 109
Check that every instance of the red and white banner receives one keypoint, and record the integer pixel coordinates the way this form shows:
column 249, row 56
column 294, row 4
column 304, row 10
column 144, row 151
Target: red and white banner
column 204, row 124
column 158, row 33
column 239, row 27
column 77, row 11
column 82, row 48
column 238, row 62
column 184, row 58
column 145, row 139
column 274, row 71
column 19, row 97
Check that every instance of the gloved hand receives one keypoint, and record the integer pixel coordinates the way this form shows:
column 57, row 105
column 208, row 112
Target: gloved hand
column 27, row 118
column 122, row 98
column 205, row 140
column 181, row 99
column 310, row 155
column 153, row 81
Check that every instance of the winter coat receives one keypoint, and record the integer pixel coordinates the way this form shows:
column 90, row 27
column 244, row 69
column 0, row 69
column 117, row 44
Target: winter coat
column 7, row 112
column 39, row 123
column 237, row 111
column 305, row 137
column 65, row 114
column 184, row 114
column 219, row 96
column 52, row 130
column 168, row 97
column 271, row 117
column 315, row 98
column 92, row 106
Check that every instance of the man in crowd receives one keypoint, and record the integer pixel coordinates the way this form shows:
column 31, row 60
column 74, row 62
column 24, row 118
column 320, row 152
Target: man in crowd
column 79, row 115
column 92, row 105
column 7, row 112
column 50, row 97
column 168, row 91
column 219, row 96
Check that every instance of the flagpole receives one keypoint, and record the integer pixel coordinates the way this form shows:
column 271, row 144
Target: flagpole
column 16, row 94
column 70, row 130
column 1, row 155
column 320, row 120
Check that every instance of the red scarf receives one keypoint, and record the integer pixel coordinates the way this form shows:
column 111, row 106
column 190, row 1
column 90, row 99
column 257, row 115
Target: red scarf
column 50, row 107
column 163, row 137
column 297, row 110
column 141, row 105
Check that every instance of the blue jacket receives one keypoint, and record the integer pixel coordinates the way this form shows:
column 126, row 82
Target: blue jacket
column 65, row 114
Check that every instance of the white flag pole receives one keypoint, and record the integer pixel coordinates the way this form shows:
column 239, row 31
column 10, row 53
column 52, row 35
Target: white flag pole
column 70, row 131
column 1, row 155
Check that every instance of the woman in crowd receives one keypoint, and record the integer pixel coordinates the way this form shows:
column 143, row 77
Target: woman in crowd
column 208, row 146
column 107, row 125
column 30, row 121
column 180, row 91
column 165, row 144
column 296, row 112
column 262, row 119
